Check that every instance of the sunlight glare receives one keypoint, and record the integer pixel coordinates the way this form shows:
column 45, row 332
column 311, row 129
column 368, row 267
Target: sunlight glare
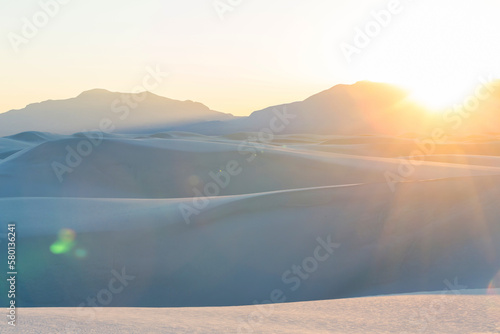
column 438, row 96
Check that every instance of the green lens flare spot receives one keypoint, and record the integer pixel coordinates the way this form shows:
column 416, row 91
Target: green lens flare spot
column 61, row 247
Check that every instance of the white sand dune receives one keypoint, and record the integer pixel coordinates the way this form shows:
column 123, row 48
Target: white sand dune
column 130, row 204
column 158, row 167
column 391, row 246
column 305, row 219
column 479, row 160
column 439, row 313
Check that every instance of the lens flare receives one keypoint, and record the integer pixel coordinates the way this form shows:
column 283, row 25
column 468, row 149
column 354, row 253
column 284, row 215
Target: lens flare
column 80, row 253
column 65, row 242
column 494, row 286
column 67, row 235
column 61, row 247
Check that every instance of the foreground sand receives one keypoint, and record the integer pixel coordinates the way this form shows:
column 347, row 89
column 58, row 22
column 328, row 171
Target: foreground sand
column 388, row 314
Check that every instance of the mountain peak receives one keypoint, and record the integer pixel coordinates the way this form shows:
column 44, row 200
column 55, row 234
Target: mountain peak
column 91, row 107
column 95, row 92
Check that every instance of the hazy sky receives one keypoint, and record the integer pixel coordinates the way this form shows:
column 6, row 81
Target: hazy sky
column 263, row 52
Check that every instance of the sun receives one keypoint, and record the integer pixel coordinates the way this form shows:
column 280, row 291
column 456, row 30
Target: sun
column 440, row 95
column 438, row 55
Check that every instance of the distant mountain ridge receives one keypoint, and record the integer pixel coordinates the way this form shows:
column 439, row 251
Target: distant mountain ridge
column 105, row 110
column 366, row 108
column 362, row 108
